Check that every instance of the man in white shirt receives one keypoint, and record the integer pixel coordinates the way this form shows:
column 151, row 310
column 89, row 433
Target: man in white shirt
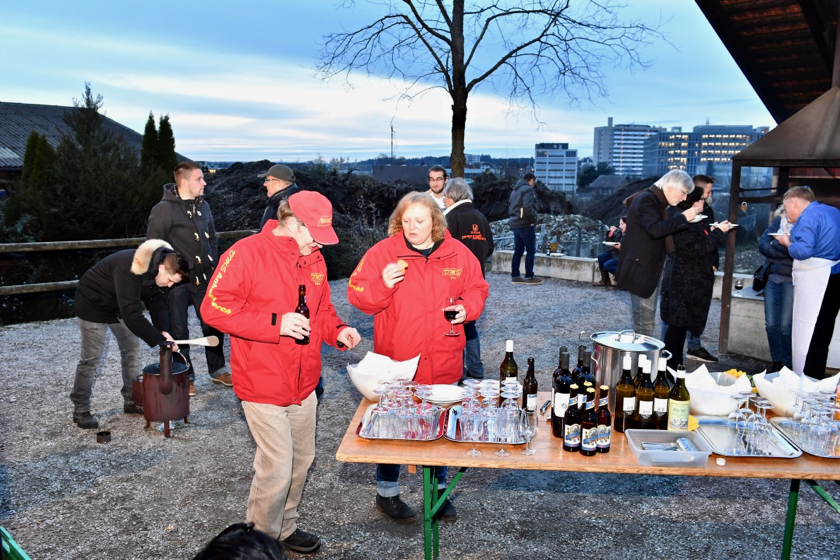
column 437, row 181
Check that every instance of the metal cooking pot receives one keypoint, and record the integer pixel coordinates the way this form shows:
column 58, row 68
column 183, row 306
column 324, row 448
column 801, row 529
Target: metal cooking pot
column 610, row 347
column 166, row 390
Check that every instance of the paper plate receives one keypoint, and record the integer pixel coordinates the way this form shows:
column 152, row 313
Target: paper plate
column 445, row 394
column 698, row 218
column 610, row 243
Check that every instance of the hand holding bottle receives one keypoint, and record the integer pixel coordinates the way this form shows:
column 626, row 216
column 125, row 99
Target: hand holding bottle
column 294, row 325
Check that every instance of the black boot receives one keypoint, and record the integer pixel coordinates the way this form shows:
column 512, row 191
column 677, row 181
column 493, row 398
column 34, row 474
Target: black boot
column 395, row 508
column 85, row 420
column 605, row 279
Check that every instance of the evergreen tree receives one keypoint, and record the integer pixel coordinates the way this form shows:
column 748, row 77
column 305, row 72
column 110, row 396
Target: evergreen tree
column 149, row 151
column 29, row 155
column 30, row 196
column 166, row 146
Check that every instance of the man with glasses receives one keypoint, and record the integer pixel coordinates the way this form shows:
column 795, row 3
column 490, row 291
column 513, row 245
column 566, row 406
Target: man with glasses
column 647, row 239
column 280, row 185
column 437, row 181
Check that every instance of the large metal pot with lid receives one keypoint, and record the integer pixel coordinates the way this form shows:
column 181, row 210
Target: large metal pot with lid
column 610, row 347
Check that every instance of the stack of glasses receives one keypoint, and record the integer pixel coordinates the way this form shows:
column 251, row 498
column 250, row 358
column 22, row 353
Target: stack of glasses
column 812, row 423
column 751, row 433
column 399, row 416
column 482, row 420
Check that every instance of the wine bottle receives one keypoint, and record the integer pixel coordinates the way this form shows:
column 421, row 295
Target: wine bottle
column 643, row 418
column 571, row 423
column 529, row 388
column 679, row 403
column 586, row 372
column 562, row 395
column 625, row 398
column 604, row 421
column 579, row 367
column 554, row 376
column 639, row 367
column 661, row 389
column 303, row 309
column 589, row 426
column 508, row 367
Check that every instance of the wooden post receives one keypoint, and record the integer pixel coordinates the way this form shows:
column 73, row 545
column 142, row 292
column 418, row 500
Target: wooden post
column 729, row 264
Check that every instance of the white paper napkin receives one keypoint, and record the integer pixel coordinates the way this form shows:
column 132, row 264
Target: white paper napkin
column 780, row 388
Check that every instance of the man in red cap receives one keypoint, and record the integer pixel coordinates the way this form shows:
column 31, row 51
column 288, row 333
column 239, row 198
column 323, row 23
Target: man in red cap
column 253, row 296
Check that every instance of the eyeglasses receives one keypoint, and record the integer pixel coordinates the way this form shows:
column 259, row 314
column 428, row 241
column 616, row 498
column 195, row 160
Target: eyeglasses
column 267, row 180
column 437, row 179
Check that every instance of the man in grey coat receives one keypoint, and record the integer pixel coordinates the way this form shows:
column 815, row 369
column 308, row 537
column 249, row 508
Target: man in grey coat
column 522, row 210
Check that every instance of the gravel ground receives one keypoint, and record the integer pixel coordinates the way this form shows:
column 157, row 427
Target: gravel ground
column 62, row 495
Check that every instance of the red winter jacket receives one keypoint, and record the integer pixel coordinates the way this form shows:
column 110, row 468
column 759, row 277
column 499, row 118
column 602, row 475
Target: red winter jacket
column 255, row 284
column 408, row 319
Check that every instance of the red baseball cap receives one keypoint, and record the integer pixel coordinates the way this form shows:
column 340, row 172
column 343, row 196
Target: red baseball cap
column 315, row 211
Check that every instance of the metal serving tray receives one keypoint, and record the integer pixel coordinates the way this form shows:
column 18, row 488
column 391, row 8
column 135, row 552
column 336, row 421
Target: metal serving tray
column 715, row 430
column 782, row 423
column 453, row 430
column 437, row 432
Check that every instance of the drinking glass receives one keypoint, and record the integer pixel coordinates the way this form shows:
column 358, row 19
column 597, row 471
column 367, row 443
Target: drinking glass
column 739, row 285
column 530, row 424
column 471, row 427
column 450, row 313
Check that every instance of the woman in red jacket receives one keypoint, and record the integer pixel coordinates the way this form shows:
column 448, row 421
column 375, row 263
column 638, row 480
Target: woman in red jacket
column 253, row 295
column 404, row 282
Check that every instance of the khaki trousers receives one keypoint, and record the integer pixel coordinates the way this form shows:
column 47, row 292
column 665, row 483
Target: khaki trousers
column 285, row 437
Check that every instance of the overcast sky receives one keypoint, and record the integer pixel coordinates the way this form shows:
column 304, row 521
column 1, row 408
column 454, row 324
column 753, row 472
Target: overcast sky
column 237, row 80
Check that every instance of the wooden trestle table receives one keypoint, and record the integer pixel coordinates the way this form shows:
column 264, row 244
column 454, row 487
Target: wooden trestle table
column 551, row 457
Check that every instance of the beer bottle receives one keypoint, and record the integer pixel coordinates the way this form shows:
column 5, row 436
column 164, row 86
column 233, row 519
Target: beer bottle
column 643, row 418
column 625, row 398
column 571, row 423
column 661, row 389
column 303, row 309
column 679, row 403
column 508, row 367
column 589, row 426
column 604, row 421
column 582, row 396
column 529, row 388
column 562, row 395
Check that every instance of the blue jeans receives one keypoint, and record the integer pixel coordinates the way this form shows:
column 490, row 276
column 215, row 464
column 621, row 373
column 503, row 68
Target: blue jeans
column 472, row 353
column 778, row 320
column 180, row 300
column 388, row 476
column 524, row 240
column 93, row 346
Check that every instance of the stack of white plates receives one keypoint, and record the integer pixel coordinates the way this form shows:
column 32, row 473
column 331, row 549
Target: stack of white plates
column 443, row 395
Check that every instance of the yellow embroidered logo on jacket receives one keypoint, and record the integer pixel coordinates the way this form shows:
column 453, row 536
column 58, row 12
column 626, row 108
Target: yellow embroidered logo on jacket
column 317, row 278
column 452, row 272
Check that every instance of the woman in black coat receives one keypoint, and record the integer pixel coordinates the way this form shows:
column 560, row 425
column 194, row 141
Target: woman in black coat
column 689, row 278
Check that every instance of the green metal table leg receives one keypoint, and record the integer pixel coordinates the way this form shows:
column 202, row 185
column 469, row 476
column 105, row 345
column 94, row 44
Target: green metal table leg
column 824, row 495
column 790, row 521
column 431, row 509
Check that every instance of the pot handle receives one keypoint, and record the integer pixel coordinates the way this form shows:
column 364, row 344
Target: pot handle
column 662, row 355
column 631, row 331
column 165, row 367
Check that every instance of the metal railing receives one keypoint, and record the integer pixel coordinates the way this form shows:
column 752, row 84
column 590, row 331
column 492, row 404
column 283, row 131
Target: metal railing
column 74, row 246
column 571, row 248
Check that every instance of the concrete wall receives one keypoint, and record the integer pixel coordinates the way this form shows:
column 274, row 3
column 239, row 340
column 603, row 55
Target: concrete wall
column 580, row 269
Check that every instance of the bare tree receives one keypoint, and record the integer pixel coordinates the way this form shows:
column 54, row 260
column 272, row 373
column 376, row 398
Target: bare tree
column 526, row 49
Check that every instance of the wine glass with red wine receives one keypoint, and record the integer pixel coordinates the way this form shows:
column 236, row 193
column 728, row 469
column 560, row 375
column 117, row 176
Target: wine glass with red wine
column 450, row 313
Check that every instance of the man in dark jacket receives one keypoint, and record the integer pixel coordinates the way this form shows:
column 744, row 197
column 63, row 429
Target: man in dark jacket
column 522, row 210
column 470, row 227
column 111, row 295
column 280, row 185
column 183, row 219
column 646, row 242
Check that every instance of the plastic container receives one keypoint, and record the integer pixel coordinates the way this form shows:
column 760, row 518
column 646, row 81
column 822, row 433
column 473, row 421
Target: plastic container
column 657, row 458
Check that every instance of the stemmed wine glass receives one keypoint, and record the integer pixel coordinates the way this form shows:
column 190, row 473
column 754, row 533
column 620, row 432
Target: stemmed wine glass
column 472, row 422
column 529, row 426
column 739, row 285
column 450, row 313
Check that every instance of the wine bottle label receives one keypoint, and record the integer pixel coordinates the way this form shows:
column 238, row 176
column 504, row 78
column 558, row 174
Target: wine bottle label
column 678, row 414
column 589, row 440
column 531, row 403
column 629, row 405
column 561, row 403
column 572, row 437
column 660, row 406
column 645, row 408
column 604, row 435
